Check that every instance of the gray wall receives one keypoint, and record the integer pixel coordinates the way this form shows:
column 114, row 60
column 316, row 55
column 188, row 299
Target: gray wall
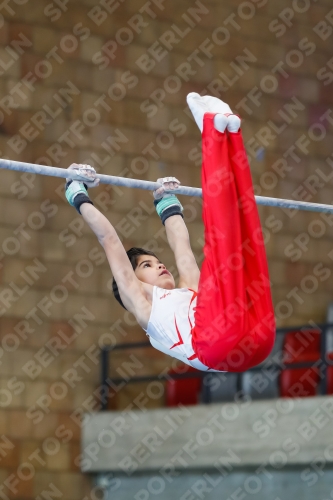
column 279, row 449
column 288, row 431
column 293, row 484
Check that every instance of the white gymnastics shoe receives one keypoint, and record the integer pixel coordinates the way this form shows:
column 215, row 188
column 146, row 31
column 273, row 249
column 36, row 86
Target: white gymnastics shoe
column 234, row 123
column 220, row 122
column 216, row 105
column 199, row 107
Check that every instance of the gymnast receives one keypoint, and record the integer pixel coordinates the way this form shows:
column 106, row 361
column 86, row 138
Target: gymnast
column 219, row 318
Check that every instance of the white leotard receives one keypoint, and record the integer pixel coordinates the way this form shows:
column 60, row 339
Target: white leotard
column 170, row 324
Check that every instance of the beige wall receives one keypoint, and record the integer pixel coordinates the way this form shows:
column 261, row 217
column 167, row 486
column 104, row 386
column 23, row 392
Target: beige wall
column 107, row 85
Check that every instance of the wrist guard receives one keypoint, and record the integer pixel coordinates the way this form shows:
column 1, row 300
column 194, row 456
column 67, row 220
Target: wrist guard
column 76, row 194
column 167, row 206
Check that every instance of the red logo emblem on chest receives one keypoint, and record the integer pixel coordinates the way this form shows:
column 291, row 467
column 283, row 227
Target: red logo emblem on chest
column 165, row 295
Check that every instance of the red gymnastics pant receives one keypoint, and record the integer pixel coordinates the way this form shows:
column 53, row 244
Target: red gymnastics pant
column 234, row 317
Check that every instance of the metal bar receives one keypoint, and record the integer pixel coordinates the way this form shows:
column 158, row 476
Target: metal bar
column 104, row 377
column 130, row 345
column 303, row 328
column 239, row 382
column 323, row 356
column 205, row 392
column 151, row 186
column 162, row 378
column 201, row 374
column 204, row 375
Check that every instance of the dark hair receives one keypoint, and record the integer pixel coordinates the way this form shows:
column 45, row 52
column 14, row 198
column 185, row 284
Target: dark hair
column 133, row 254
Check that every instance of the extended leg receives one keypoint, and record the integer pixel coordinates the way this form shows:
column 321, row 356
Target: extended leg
column 258, row 289
column 234, row 296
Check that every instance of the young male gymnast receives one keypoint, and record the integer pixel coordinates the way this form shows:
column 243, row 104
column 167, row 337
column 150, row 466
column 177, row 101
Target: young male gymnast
column 219, row 318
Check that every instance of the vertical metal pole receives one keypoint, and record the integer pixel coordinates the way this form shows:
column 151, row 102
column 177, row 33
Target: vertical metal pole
column 239, row 382
column 323, row 356
column 104, row 377
column 206, row 395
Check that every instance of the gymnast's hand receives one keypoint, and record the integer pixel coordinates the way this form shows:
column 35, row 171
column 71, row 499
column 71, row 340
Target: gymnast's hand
column 167, row 204
column 86, row 173
column 168, row 184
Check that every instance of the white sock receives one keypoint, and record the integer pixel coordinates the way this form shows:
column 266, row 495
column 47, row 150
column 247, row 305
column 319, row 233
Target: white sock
column 197, row 107
column 215, row 105
column 220, row 122
column 234, row 123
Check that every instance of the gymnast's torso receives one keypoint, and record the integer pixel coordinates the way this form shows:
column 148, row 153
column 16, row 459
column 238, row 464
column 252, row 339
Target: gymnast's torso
column 171, row 323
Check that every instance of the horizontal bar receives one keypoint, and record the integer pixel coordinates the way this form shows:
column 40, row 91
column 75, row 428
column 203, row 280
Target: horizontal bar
column 322, row 327
column 127, row 345
column 151, row 186
column 176, row 376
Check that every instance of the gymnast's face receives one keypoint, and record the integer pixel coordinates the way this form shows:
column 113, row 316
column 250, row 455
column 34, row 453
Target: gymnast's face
column 150, row 270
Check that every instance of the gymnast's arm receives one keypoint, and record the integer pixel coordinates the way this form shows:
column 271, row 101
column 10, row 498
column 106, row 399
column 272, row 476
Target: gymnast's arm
column 130, row 288
column 179, row 241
